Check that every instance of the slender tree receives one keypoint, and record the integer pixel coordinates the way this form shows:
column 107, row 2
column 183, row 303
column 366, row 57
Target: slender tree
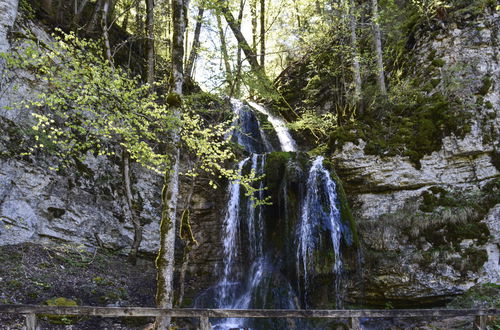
column 233, row 25
column 130, row 205
column 253, row 12
column 378, row 48
column 165, row 259
column 262, row 33
column 224, row 53
column 105, row 29
column 78, row 12
column 235, row 87
column 196, row 42
column 355, row 54
column 150, row 44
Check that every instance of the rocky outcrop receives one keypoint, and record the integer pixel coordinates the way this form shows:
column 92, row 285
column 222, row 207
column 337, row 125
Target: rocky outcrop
column 8, row 13
column 431, row 233
column 85, row 204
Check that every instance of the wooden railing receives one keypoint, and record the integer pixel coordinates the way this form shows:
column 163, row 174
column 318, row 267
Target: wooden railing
column 31, row 312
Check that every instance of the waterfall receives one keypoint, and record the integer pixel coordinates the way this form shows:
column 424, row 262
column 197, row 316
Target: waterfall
column 248, row 131
column 271, row 251
column 236, row 291
column 286, row 141
column 231, row 224
column 320, row 211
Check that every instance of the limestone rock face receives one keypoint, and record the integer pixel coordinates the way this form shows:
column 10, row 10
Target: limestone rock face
column 8, row 13
column 85, row 205
column 408, row 257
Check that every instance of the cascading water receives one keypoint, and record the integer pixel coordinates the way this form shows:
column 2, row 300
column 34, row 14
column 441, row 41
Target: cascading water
column 270, row 251
column 286, row 140
column 235, row 290
column 320, row 211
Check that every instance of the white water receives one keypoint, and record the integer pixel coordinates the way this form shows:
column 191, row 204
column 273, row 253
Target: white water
column 286, row 141
column 315, row 216
column 252, row 138
column 228, row 293
column 231, row 224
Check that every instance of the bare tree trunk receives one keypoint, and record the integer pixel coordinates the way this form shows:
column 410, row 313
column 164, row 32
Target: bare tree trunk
column 126, row 18
column 262, row 34
column 196, row 42
column 150, row 41
column 165, row 259
column 47, row 7
column 139, row 22
column 133, row 215
column 225, row 55
column 249, row 53
column 95, row 16
column 235, row 87
column 78, row 12
column 378, row 48
column 253, row 11
column 297, row 12
column 104, row 25
column 186, row 235
column 355, row 55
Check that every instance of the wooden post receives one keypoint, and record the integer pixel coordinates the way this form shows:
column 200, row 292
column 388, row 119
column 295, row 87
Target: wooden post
column 31, row 322
column 354, row 323
column 205, row 323
column 480, row 322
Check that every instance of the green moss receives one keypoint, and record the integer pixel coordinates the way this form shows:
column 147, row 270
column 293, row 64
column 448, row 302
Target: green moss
column 275, row 168
column 474, row 230
column 435, row 197
column 485, row 295
column 475, row 258
column 486, row 85
column 438, row 62
column 345, row 210
column 61, row 319
column 174, row 100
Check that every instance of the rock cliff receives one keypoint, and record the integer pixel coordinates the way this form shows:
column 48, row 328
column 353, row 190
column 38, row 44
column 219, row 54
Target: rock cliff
column 407, row 214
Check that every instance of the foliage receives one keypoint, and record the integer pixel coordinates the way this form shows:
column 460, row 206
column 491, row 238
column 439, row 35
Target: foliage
column 319, row 125
column 90, row 107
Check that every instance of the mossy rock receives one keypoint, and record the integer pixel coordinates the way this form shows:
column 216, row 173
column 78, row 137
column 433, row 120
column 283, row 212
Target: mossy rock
column 485, row 295
column 61, row 319
column 486, row 85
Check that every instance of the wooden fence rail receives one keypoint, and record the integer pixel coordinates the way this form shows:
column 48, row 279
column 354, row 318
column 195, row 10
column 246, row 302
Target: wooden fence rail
column 30, row 311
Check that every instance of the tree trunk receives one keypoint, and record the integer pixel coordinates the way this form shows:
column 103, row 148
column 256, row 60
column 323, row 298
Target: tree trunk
column 139, row 22
column 133, row 215
column 253, row 11
column 165, row 260
column 235, row 88
column 378, row 48
column 251, row 56
column 189, row 241
column 47, row 8
column 225, row 55
column 78, row 12
column 150, row 42
column 196, row 42
column 262, row 34
column 105, row 34
column 355, row 55
column 297, row 13
column 95, row 16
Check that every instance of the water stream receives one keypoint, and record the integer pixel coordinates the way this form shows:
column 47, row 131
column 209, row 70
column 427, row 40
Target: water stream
column 271, row 251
